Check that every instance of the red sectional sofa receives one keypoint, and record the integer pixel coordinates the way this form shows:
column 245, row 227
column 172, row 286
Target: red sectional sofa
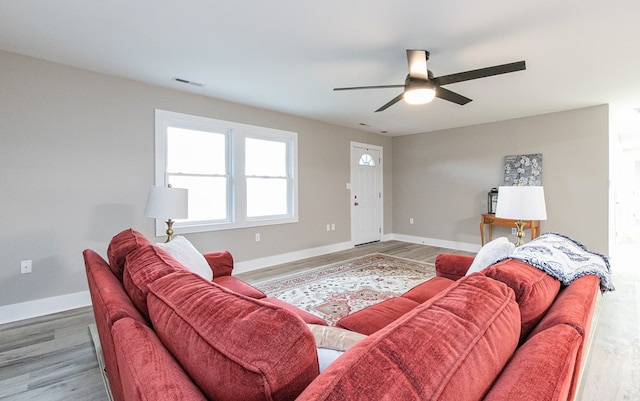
column 507, row 333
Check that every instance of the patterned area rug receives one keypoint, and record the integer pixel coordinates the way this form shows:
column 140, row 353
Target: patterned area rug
column 333, row 291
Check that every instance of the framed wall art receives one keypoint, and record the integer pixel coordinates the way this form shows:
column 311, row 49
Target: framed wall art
column 523, row 170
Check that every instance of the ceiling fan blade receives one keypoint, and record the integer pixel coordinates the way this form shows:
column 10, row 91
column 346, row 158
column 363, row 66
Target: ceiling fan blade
column 446, row 94
column 391, row 102
column 417, row 60
column 368, row 87
column 479, row 73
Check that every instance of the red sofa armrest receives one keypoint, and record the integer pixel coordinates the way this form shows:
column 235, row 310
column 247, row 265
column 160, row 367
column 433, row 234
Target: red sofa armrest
column 221, row 263
column 452, row 266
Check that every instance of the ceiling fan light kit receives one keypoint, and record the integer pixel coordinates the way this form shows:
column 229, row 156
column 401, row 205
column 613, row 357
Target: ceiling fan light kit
column 421, row 86
column 419, row 95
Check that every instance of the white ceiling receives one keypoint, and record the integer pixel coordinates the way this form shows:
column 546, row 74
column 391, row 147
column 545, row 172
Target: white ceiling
column 288, row 55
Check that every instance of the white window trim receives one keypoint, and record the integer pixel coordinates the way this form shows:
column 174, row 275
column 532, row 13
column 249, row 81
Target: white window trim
column 235, row 132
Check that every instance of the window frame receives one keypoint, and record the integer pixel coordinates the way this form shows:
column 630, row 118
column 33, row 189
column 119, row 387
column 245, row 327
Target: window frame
column 235, row 134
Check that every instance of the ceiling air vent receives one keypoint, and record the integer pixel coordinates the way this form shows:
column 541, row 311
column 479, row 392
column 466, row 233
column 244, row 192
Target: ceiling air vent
column 186, row 81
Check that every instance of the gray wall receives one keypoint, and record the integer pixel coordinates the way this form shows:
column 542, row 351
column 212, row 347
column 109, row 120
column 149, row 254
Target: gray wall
column 441, row 178
column 76, row 161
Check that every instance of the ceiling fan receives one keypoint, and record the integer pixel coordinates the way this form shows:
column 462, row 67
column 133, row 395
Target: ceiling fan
column 421, row 86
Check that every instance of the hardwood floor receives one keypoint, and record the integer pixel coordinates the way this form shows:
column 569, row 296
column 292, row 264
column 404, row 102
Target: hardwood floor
column 52, row 357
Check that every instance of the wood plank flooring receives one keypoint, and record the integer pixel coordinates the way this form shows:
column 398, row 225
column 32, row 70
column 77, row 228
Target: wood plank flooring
column 52, row 357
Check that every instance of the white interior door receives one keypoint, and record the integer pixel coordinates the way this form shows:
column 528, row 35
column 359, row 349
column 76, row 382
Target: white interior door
column 366, row 193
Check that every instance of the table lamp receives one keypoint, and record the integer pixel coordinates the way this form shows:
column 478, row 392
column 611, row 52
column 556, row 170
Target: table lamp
column 167, row 203
column 521, row 203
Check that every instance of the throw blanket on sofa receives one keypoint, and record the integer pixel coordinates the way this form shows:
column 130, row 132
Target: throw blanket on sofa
column 565, row 259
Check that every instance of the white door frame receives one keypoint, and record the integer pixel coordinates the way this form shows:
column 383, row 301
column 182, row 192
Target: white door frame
column 379, row 179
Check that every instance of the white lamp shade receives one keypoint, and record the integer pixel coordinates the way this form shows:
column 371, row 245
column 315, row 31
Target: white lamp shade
column 521, row 203
column 167, row 203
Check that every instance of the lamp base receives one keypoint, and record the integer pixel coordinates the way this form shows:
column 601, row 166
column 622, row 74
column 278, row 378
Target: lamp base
column 169, row 230
column 520, row 225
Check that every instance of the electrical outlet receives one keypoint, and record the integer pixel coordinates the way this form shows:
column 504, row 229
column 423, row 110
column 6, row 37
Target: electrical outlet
column 328, row 227
column 257, row 237
column 411, row 220
column 25, row 267
column 333, row 226
column 514, row 231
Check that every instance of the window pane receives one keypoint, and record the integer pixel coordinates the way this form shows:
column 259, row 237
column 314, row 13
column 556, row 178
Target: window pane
column 266, row 197
column 265, row 158
column 195, row 152
column 207, row 197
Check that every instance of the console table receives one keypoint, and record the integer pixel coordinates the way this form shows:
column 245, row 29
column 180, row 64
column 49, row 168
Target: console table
column 491, row 220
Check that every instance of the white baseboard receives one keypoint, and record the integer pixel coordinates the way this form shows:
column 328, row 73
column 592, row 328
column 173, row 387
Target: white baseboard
column 255, row 264
column 460, row 246
column 42, row 307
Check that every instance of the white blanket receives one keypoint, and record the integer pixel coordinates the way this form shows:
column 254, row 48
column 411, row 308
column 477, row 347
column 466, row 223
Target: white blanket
column 565, row 259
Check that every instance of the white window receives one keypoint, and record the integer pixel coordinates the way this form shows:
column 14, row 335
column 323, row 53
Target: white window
column 237, row 175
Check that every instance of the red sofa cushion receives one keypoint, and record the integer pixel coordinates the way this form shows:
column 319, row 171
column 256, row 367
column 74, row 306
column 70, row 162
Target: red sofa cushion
column 452, row 266
column 427, row 290
column 148, row 371
column 142, row 267
column 535, row 290
column 120, row 246
column 574, row 306
column 373, row 318
column 449, row 348
column 233, row 347
column 239, row 286
column 533, row 372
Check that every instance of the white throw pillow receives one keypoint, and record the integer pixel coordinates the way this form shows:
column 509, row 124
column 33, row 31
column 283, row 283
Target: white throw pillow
column 492, row 252
column 184, row 252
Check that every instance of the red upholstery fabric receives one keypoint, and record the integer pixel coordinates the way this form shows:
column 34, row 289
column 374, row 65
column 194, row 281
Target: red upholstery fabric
column 541, row 368
column 239, row 286
column 233, row 347
column 142, row 267
column 427, row 290
column 449, row 348
column 221, row 263
column 574, row 306
column 110, row 304
column 304, row 315
column 535, row 290
column 148, row 371
column 120, row 246
column 452, row 266
column 373, row 318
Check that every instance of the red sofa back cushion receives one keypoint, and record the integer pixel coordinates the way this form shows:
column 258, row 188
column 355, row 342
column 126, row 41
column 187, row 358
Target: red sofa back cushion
column 120, row 246
column 535, row 290
column 144, row 266
column 451, row 347
column 233, row 347
column 533, row 373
